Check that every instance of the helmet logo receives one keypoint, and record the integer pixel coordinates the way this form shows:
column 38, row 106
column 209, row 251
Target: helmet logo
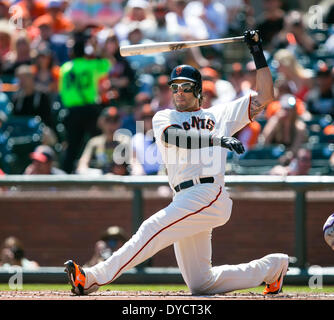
column 178, row 70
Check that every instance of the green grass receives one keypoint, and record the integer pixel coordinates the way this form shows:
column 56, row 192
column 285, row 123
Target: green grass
column 162, row 287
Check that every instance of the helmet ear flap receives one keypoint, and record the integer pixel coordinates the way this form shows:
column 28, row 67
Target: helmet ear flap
column 197, row 91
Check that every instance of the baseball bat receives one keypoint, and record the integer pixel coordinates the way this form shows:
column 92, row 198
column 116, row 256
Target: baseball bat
column 155, row 47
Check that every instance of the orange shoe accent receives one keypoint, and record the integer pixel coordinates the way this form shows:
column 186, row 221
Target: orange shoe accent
column 274, row 287
column 79, row 276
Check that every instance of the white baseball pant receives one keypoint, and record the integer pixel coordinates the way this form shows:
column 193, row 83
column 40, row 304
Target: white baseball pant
column 187, row 222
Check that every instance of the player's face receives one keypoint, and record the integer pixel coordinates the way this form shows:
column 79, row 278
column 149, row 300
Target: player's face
column 183, row 96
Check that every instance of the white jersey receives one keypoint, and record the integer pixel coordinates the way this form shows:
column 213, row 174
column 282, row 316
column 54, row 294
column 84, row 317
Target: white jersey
column 188, row 164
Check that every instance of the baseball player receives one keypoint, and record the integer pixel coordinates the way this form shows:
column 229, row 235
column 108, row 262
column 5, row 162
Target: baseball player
column 194, row 143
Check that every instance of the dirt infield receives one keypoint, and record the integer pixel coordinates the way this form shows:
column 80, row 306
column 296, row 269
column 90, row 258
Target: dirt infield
column 156, row 295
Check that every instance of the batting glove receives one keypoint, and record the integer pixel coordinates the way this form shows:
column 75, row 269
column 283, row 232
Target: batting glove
column 253, row 40
column 232, row 144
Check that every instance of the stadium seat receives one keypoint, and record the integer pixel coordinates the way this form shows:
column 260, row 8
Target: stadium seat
column 5, row 153
column 327, row 138
column 271, row 152
column 59, row 113
column 24, row 134
column 257, row 161
column 321, row 151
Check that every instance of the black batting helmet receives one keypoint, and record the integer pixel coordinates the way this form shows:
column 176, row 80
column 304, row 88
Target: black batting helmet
column 186, row 72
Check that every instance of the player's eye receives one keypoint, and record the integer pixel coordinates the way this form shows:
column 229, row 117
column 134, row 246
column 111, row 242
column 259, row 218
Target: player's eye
column 185, row 86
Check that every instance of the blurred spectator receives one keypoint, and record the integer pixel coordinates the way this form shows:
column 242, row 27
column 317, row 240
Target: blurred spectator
column 111, row 240
column 213, row 14
column 5, row 110
column 78, row 88
column 299, row 165
column 294, row 35
column 209, row 93
column 329, row 44
column 56, row 42
column 285, row 127
column 237, row 13
column 24, row 21
column 35, row 8
column 271, row 21
column 331, row 162
column 102, row 153
column 248, row 86
column 7, row 32
column 145, row 66
column 237, row 77
column 45, row 71
column 329, row 21
column 249, row 135
column 329, row 129
column 3, row 118
column 320, row 100
column 43, row 159
column 28, row 101
column 101, row 253
column 149, row 63
column 224, row 89
column 13, row 254
column 21, row 55
column 162, row 97
column 329, row 15
column 146, row 156
column 84, row 12
column 119, row 84
column 298, row 78
column 245, row 84
column 160, row 33
column 4, row 9
column 182, row 26
column 114, row 236
column 281, row 87
column 129, row 121
column 5, row 106
column 55, row 17
column 3, row 115
column 138, row 12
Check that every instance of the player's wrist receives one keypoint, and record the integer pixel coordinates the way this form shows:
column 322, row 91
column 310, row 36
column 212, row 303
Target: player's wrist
column 215, row 141
column 254, row 43
column 259, row 59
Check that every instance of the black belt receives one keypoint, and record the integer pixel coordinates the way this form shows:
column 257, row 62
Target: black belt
column 190, row 183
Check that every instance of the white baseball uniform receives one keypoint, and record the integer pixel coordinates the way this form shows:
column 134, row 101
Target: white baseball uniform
column 187, row 222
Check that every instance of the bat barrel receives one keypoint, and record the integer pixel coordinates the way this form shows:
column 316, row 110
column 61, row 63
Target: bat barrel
column 149, row 48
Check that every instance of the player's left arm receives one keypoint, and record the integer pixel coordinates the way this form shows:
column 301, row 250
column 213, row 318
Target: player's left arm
column 264, row 81
column 265, row 92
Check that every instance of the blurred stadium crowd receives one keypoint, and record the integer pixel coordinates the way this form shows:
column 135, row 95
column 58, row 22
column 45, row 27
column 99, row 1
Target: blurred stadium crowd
column 66, row 90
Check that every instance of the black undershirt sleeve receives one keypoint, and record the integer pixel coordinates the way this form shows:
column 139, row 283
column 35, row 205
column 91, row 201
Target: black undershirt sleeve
column 191, row 139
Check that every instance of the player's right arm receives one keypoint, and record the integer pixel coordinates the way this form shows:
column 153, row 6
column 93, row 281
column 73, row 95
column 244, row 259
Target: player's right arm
column 191, row 139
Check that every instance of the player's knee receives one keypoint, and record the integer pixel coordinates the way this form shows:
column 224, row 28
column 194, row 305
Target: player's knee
column 196, row 290
column 199, row 287
column 278, row 258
